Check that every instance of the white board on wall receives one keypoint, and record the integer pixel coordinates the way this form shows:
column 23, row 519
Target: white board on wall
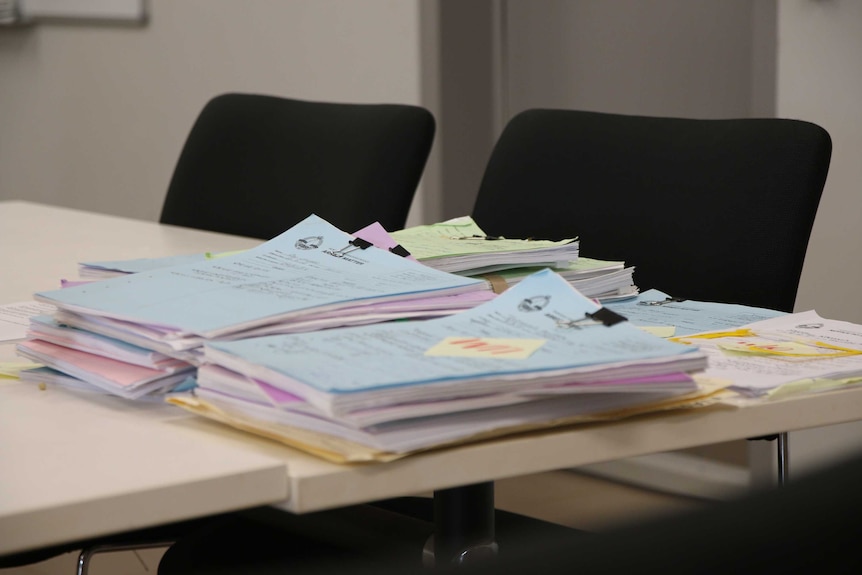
column 123, row 10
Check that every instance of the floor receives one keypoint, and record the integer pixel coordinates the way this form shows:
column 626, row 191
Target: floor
column 564, row 497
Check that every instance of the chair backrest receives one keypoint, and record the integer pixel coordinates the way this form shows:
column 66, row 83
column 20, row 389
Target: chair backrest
column 716, row 210
column 254, row 165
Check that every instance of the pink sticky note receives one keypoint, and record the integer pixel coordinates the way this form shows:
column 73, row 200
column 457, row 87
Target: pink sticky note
column 377, row 235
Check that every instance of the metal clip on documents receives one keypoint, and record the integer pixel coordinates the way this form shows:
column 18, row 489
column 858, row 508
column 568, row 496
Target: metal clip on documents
column 603, row 316
column 662, row 302
column 360, row 243
column 399, row 250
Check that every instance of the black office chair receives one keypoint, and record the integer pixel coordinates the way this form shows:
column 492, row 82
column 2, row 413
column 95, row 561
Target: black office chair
column 255, row 165
column 716, row 210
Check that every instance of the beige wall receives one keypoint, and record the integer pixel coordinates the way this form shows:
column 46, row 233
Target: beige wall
column 94, row 116
column 819, row 79
column 688, row 58
column 697, row 58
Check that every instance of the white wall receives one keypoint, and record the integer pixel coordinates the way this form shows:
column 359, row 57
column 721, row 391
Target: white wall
column 656, row 57
column 697, row 58
column 819, row 79
column 94, row 116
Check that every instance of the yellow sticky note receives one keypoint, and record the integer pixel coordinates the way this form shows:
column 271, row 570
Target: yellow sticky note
column 786, row 349
column 742, row 332
column 659, row 330
column 498, row 347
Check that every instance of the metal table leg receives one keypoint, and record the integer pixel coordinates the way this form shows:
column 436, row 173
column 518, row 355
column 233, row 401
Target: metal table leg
column 783, row 458
column 463, row 526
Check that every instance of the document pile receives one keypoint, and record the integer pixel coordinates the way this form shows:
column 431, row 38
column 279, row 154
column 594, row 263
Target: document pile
column 761, row 353
column 311, row 277
column 450, row 246
column 607, row 281
column 85, row 360
column 110, row 269
column 784, row 356
column 539, row 354
column 461, row 246
column 670, row 316
column 373, row 233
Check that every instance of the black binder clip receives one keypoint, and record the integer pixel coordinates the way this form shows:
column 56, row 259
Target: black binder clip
column 662, row 302
column 399, row 251
column 478, row 237
column 360, row 243
column 602, row 316
column 352, row 246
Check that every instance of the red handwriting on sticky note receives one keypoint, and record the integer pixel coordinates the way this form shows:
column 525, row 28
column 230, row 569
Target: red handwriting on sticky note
column 499, row 347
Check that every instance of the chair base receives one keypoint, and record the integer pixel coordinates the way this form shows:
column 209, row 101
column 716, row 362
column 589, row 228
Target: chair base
column 372, row 538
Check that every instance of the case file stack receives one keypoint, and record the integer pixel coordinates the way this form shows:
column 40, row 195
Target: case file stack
column 537, row 355
column 143, row 333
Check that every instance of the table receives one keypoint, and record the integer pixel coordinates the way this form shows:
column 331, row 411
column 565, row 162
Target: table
column 74, row 466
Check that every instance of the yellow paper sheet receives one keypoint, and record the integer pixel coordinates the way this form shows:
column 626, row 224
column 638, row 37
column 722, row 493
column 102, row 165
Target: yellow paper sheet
column 338, row 450
column 11, row 369
column 460, row 236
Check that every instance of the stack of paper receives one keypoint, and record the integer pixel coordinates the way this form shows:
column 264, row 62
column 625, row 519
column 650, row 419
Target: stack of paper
column 89, row 359
column 656, row 309
column 455, row 243
column 607, row 281
column 15, row 318
column 760, row 353
column 312, row 274
column 785, row 355
column 110, row 269
column 461, row 246
column 537, row 354
column 374, row 233
column 311, row 277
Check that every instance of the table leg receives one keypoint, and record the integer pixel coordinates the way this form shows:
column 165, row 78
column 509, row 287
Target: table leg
column 463, row 525
column 783, row 458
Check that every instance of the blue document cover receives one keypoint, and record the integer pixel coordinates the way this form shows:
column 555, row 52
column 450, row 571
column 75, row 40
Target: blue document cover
column 312, row 267
column 656, row 308
column 144, row 264
column 541, row 327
